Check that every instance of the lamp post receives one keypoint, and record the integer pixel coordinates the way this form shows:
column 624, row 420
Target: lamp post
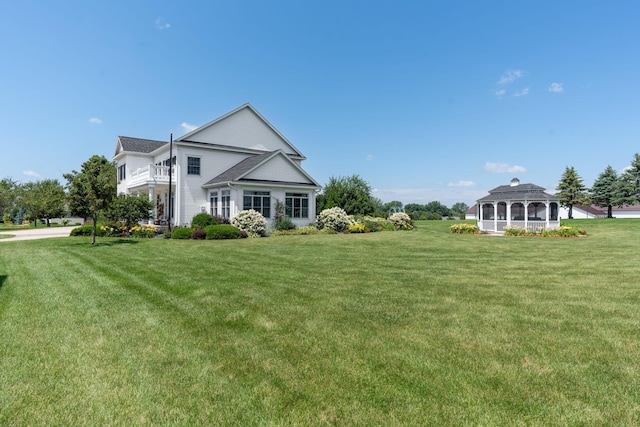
column 170, row 179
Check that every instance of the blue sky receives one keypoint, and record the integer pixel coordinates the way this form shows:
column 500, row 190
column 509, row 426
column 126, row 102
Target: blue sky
column 425, row 100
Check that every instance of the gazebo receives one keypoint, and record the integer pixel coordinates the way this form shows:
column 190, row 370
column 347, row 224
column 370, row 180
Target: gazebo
column 518, row 205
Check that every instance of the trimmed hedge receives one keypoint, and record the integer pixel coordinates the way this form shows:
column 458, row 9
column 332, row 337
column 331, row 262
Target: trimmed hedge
column 182, row 233
column 222, row 231
column 202, row 220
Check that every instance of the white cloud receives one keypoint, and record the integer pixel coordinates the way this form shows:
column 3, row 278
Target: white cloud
column 162, row 24
column 556, row 88
column 370, row 157
column 32, row 174
column 510, row 76
column 462, row 183
column 500, row 92
column 523, row 92
column 95, row 121
column 187, row 127
column 499, row 167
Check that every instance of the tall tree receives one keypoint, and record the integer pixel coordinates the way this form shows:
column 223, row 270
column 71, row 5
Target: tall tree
column 42, row 200
column 459, row 209
column 92, row 189
column 630, row 183
column 8, row 194
column 130, row 209
column 605, row 190
column 571, row 190
column 353, row 194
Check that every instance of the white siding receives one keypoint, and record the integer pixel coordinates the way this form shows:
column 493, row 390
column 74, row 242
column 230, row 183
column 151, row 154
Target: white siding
column 278, row 169
column 132, row 162
column 242, row 129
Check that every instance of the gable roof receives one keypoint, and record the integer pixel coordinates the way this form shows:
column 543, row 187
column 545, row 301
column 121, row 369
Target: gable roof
column 240, row 171
column 197, row 134
column 137, row 145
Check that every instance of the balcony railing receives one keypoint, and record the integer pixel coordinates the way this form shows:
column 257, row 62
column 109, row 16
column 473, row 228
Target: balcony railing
column 151, row 173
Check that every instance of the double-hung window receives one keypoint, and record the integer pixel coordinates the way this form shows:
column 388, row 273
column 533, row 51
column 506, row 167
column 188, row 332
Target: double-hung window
column 225, row 208
column 213, row 203
column 258, row 201
column 297, row 205
column 122, row 172
column 193, row 165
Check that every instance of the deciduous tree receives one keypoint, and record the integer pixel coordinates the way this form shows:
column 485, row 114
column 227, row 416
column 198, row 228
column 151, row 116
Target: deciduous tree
column 7, row 195
column 353, row 194
column 42, row 200
column 130, row 209
column 92, row 189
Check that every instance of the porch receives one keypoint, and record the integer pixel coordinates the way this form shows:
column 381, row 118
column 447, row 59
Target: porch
column 151, row 174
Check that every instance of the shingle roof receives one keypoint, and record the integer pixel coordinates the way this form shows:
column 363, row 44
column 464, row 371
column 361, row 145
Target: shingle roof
column 236, row 171
column 518, row 192
column 140, row 145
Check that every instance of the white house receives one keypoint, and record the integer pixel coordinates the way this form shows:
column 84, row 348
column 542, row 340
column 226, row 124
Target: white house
column 236, row 162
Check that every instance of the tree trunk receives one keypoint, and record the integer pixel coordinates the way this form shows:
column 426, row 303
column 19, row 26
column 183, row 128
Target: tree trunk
column 93, row 231
column 609, row 211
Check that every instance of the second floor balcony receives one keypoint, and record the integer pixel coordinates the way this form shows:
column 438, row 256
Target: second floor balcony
column 151, row 173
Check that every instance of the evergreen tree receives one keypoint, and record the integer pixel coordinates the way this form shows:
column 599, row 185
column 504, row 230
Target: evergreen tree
column 353, row 194
column 629, row 186
column 605, row 190
column 571, row 190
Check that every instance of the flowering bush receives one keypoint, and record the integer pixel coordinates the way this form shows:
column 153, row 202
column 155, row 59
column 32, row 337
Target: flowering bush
column 334, row 218
column 401, row 221
column 250, row 221
column 464, row 228
column 357, row 228
column 144, row 231
column 563, row 231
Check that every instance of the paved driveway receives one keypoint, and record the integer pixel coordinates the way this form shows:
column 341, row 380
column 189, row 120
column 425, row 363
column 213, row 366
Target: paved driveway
column 43, row 232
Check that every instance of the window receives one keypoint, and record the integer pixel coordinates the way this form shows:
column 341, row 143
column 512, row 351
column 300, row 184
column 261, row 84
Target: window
column 122, row 172
column 193, row 165
column 225, row 209
column 213, row 203
column 258, row 201
column 297, row 205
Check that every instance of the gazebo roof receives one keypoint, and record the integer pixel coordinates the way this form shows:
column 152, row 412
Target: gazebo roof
column 517, row 191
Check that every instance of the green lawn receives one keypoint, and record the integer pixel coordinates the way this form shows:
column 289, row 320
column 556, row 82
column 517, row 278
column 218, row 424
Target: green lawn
column 393, row 328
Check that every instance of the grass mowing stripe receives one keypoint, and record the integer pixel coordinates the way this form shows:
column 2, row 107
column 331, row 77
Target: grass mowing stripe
column 385, row 328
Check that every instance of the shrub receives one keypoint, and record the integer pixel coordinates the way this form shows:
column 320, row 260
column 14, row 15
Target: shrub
column 85, row 230
column 357, row 228
column 464, row 228
column 376, row 224
column 310, row 229
column 182, row 233
column 284, row 223
column 202, row 220
column 250, row 221
column 222, row 231
column 198, row 234
column 221, row 220
column 335, row 219
column 401, row 221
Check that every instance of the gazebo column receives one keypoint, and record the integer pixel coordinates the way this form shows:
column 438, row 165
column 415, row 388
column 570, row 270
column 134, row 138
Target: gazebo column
column 546, row 213
column 526, row 215
column 508, row 213
column 495, row 216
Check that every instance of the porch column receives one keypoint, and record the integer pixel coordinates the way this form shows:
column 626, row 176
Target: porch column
column 526, row 214
column 508, row 213
column 155, row 210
